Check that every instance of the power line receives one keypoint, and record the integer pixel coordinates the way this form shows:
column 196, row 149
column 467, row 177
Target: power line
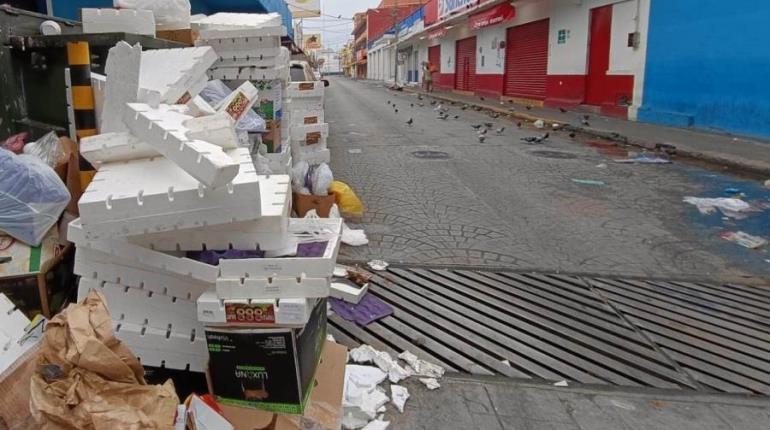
column 339, row 17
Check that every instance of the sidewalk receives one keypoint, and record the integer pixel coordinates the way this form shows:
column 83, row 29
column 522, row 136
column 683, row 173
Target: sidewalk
column 743, row 154
column 499, row 404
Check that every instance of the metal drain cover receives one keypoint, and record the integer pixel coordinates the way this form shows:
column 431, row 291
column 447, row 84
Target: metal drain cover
column 431, row 155
column 554, row 154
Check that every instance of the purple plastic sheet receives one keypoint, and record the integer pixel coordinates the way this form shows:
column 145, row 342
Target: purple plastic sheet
column 312, row 249
column 367, row 311
column 212, row 257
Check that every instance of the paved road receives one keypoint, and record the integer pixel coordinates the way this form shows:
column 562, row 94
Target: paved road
column 506, row 204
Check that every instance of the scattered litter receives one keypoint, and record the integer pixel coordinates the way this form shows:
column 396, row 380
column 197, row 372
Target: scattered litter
column 399, row 395
column 347, row 290
column 204, row 416
column 743, row 239
column 623, row 405
column 555, row 126
column 421, row 367
column 730, row 191
column 767, row 183
column 588, row 182
column 377, row 425
column 539, row 124
column 561, row 384
column 732, row 208
column 383, row 360
column 363, row 354
column 601, row 166
column 330, row 338
column 366, row 311
column 353, row 237
column 381, row 411
column 430, row 383
column 362, row 397
column 506, row 362
column 340, row 271
column 378, row 265
column 644, row 159
column 354, row 151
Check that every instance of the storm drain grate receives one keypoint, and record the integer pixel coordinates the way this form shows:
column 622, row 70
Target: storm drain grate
column 556, row 327
column 431, row 155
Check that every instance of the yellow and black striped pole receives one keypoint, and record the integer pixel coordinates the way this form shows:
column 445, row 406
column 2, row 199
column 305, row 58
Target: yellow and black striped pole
column 79, row 61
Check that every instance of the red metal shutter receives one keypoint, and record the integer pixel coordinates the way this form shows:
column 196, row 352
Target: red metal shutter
column 434, row 57
column 526, row 60
column 465, row 65
column 597, row 90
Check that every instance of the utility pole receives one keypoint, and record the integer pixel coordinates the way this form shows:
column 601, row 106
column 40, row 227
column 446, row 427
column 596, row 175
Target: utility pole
column 395, row 42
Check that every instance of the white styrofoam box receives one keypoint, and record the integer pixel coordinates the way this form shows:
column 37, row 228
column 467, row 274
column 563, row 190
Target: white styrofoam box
column 12, row 325
column 111, row 147
column 272, row 288
column 98, row 85
column 269, row 230
column 205, row 162
column 304, row 117
column 144, row 307
column 218, row 129
column 243, row 33
column 312, row 157
column 248, row 45
column 101, row 267
column 305, row 103
column 230, row 20
column 161, row 348
column 305, row 230
column 249, row 73
column 300, row 90
column 133, row 253
column 259, row 57
column 280, row 162
column 288, row 312
column 130, row 21
column 348, row 293
column 153, row 195
column 240, row 101
column 171, row 75
column 123, row 71
column 309, row 134
column 197, row 106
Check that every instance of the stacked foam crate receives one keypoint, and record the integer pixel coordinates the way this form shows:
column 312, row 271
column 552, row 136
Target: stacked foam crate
column 248, row 47
column 304, row 112
column 171, row 179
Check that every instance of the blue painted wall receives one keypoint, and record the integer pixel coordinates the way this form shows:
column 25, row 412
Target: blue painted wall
column 708, row 65
column 71, row 8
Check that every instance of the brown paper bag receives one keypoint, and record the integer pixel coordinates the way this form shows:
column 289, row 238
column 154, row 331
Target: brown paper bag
column 86, row 379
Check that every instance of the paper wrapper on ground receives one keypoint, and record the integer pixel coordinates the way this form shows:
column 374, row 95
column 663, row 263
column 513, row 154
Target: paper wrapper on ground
column 101, row 384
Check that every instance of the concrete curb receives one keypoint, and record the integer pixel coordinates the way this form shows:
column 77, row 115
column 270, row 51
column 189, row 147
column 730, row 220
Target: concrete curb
column 760, row 170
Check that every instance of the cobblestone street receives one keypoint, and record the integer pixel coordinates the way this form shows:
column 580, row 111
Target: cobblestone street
column 435, row 195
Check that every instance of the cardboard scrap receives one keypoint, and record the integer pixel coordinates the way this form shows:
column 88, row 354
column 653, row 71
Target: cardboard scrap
column 86, row 379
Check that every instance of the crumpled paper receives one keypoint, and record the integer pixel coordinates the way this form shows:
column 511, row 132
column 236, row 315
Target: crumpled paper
column 86, row 379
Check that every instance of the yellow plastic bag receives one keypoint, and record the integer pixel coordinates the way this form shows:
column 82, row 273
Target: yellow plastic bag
column 347, row 200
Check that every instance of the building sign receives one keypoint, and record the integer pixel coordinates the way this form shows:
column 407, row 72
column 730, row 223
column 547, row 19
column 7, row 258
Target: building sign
column 311, row 41
column 304, row 8
column 563, row 35
column 496, row 15
column 446, row 7
column 436, row 34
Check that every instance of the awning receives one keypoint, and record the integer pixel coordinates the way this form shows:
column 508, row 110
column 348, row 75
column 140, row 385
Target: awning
column 435, row 34
column 493, row 16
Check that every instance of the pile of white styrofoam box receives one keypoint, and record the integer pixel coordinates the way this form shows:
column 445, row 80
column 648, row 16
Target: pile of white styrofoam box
column 118, row 21
column 13, row 324
column 304, row 114
column 172, row 179
column 248, row 46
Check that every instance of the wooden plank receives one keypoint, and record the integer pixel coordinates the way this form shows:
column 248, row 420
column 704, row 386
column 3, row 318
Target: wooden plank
column 758, row 306
column 567, row 290
column 748, row 291
column 716, row 383
column 683, row 315
column 563, row 336
column 599, row 336
column 599, row 318
column 421, row 339
column 360, row 334
column 341, row 337
column 461, row 340
column 476, row 333
column 717, row 372
column 507, row 335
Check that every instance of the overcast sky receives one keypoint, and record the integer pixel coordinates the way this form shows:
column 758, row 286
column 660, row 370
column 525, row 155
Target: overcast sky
column 336, row 32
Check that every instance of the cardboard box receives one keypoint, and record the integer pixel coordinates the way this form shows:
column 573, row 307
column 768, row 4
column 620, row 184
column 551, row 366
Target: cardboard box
column 268, row 369
column 323, row 411
column 270, row 103
column 186, row 36
column 303, row 203
column 272, row 138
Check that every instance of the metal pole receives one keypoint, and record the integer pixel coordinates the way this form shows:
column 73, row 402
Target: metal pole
column 395, row 42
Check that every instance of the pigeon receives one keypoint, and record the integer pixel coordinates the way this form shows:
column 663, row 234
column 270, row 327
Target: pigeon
column 586, row 117
column 488, row 125
column 535, row 139
column 443, row 117
column 464, row 107
column 585, row 122
column 410, row 122
column 396, row 110
column 421, row 104
column 419, row 97
column 518, row 124
column 562, row 110
column 483, row 132
column 529, row 107
column 439, row 107
column 482, row 138
column 433, row 102
column 572, row 135
column 411, row 104
column 495, row 115
column 452, row 103
column 500, row 131
column 477, row 108
column 476, row 127
column 482, row 98
column 457, row 116
column 388, row 101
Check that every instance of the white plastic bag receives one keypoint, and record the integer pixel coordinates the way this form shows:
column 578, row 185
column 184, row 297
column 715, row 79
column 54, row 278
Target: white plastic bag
column 169, row 14
column 32, row 197
column 215, row 91
column 48, row 149
column 298, row 177
column 322, row 179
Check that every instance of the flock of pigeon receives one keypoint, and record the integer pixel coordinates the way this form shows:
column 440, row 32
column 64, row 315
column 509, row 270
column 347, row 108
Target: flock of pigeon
column 482, row 130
